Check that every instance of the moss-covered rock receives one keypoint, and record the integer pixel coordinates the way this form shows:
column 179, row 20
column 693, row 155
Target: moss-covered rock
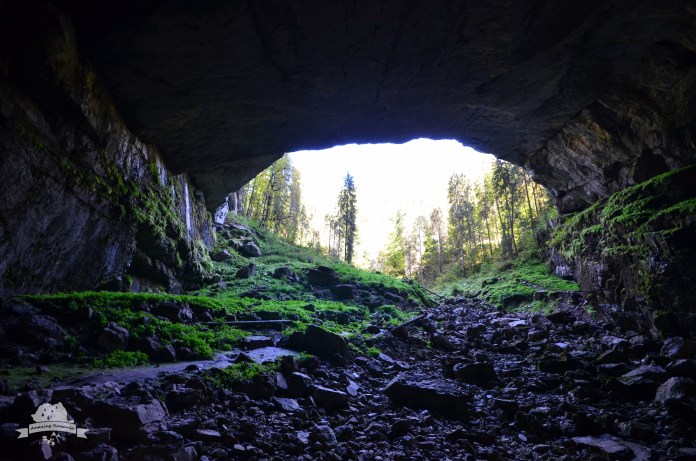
column 633, row 252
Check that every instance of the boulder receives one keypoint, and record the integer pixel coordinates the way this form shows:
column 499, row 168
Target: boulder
column 129, row 418
column 344, row 433
column 322, row 276
column 37, row 330
column 207, row 435
column 679, row 389
column 323, row 343
column 330, row 398
column 173, row 311
column 440, row 341
column 298, row 384
column 343, row 291
column 221, row 256
column 185, row 397
column 250, row 250
column 606, row 445
column 442, row 395
column 284, row 404
column 247, row 271
column 284, row 272
column 113, row 337
column 561, row 317
column 475, row 373
column 399, row 428
column 324, row 435
column 683, row 367
column 678, row 348
column 642, row 382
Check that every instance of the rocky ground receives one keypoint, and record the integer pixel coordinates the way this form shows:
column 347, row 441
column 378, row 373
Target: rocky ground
column 464, row 382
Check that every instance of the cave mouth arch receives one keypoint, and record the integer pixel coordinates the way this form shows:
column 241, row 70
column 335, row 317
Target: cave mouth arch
column 389, row 177
column 412, row 180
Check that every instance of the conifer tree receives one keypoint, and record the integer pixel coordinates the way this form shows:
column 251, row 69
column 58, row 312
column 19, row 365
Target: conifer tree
column 347, row 217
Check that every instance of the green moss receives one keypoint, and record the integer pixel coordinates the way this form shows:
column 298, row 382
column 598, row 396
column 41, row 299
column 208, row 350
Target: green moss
column 239, row 373
column 511, row 284
column 622, row 223
column 122, row 359
column 632, row 223
column 130, row 310
column 373, row 351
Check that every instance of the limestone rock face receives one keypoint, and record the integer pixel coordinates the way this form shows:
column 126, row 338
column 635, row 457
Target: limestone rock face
column 84, row 204
column 592, row 97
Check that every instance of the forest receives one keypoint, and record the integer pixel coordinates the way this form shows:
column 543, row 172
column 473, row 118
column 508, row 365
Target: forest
column 489, row 220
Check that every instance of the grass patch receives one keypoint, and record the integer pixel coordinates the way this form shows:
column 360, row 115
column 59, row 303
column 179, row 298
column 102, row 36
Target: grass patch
column 122, row 359
column 509, row 284
column 239, row 373
column 262, row 295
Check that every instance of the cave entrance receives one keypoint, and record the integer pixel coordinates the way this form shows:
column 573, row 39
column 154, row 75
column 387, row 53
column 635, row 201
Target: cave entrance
column 416, row 191
column 409, row 178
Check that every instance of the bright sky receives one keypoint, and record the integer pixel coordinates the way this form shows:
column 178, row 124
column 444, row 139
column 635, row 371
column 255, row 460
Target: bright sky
column 411, row 177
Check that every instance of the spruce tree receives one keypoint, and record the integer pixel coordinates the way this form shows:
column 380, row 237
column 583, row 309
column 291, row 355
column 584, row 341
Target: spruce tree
column 347, row 217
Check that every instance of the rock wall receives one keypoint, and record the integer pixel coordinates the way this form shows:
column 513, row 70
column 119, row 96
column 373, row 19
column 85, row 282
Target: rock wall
column 84, row 204
column 633, row 254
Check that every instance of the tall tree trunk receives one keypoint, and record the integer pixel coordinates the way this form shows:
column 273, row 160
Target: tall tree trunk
column 529, row 202
column 534, row 194
column 490, row 242
column 503, row 229
column 268, row 196
column 479, row 233
column 512, row 224
column 469, row 236
column 439, row 252
column 461, row 246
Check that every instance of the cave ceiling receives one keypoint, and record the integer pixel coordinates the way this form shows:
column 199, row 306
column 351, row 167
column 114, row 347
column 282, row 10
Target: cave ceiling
column 590, row 96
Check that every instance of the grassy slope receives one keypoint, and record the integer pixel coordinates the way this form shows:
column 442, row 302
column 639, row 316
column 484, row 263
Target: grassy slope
column 513, row 284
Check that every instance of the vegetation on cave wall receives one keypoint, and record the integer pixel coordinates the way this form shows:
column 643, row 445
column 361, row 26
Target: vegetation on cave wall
column 101, row 202
column 635, row 248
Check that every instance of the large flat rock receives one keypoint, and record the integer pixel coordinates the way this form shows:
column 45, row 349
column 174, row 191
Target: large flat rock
column 441, row 395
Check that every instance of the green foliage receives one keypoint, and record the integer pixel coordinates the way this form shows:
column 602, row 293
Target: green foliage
column 511, row 283
column 632, row 224
column 70, row 342
column 19, row 377
column 122, row 359
column 238, row 373
column 130, row 311
column 488, row 220
column 373, row 351
column 622, row 222
column 116, row 300
column 392, row 259
column 274, row 200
